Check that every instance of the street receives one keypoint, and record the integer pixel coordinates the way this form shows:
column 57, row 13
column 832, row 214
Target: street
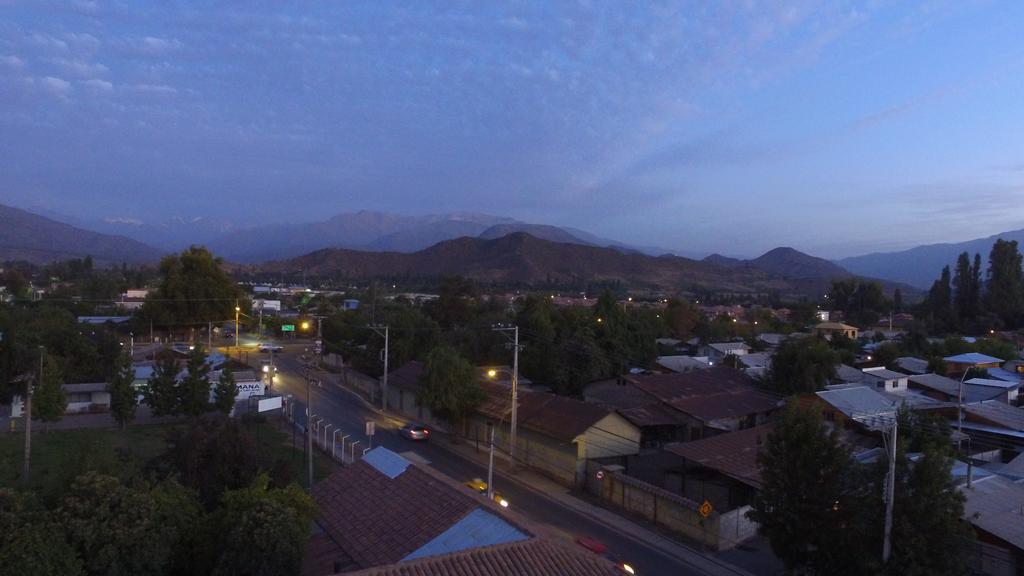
column 345, row 410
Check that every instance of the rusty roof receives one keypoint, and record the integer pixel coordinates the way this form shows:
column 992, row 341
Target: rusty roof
column 555, row 416
column 534, row 557
column 733, row 454
column 708, row 395
column 653, row 415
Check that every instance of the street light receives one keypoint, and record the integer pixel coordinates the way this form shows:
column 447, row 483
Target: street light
column 305, row 325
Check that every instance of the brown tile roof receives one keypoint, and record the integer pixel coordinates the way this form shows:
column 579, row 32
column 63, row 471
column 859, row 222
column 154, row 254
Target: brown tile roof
column 555, row 416
column 377, row 520
column 708, row 395
column 324, row 556
column 733, row 454
column 534, row 557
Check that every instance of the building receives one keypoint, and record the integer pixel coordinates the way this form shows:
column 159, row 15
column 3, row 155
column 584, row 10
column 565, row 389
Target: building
column 957, row 365
column 133, row 299
column 350, row 304
column 848, row 405
column 683, row 363
column 827, row 330
column 948, row 390
column 911, row 365
column 885, row 380
column 83, row 398
column 385, row 515
column 994, row 507
column 717, row 351
column 1007, row 391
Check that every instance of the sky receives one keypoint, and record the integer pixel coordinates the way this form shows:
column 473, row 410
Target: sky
column 836, row 128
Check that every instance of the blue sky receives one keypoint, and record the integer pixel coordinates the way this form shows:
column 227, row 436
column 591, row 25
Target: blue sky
column 836, row 128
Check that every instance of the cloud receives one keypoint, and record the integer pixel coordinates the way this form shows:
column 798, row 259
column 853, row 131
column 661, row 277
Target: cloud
column 155, row 46
column 99, row 85
column 81, row 68
column 54, row 86
column 48, row 42
column 153, row 89
column 12, row 62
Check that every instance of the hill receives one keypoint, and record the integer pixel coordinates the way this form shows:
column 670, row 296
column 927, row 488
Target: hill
column 37, row 239
column 920, row 266
column 521, row 258
column 785, row 262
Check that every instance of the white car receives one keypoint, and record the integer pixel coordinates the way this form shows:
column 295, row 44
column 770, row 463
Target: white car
column 271, row 348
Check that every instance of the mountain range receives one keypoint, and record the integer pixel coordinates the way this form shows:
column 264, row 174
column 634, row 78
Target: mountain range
column 37, row 239
column 920, row 266
column 520, row 258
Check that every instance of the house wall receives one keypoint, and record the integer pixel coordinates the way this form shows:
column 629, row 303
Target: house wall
column 98, row 398
column 612, row 436
column 555, row 459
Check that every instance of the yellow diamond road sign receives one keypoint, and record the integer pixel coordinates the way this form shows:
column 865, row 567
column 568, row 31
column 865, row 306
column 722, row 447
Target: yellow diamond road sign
column 705, row 509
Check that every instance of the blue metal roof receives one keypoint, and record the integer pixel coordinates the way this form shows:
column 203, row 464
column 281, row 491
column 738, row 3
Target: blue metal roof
column 386, row 462
column 972, row 358
column 1003, row 374
column 103, row 319
column 477, row 529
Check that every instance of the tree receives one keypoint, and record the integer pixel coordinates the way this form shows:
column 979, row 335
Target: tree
column 193, row 289
column 808, row 506
column 963, row 291
column 448, row 387
column 123, row 397
column 161, row 393
column 937, row 365
column 802, row 365
column 209, row 456
column 225, row 392
column 194, row 390
column 114, row 528
column 279, row 519
column 939, row 302
column 897, row 301
column 48, row 399
column 681, row 318
column 31, row 542
column 1005, row 282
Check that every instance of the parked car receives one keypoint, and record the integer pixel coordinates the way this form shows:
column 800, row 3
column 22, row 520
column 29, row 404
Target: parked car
column 599, row 548
column 271, row 348
column 415, row 432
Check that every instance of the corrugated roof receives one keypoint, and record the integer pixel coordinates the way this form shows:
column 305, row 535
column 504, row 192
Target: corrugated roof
column 912, row 365
column 729, row 346
column 884, row 374
column 994, row 383
column 653, row 415
column 555, row 416
column 1003, row 374
column 973, row 358
column 999, row 413
column 386, row 462
column 996, row 505
column 857, row 400
column 476, row 529
column 835, row 326
column 682, row 363
column 733, row 454
column 936, row 382
column 534, row 557
column 708, row 395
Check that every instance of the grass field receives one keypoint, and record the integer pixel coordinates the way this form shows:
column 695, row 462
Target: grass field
column 58, row 456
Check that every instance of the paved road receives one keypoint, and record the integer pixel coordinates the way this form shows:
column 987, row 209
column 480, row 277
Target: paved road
column 344, row 409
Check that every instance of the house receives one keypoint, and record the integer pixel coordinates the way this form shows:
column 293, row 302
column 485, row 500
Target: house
column 264, row 305
column 957, row 365
column 948, row 390
column 556, row 436
column 756, row 364
column 911, row 365
column 848, row 405
column 846, row 374
column 994, row 507
column 827, row 330
column 772, row 339
column 722, row 469
column 683, row 363
column 1008, row 391
column 386, row 515
column 885, row 380
column 688, row 406
column 717, row 351
column 81, row 398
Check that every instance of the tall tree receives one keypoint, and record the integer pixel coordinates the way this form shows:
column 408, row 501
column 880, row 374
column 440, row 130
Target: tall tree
column 897, row 301
column 1005, row 282
column 49, row 401
column 681, row 318
column 976, row 285
column 806, row 507
column 161, row 393
column 939, row 302
column 963, row 291
column 449, row 387
column 123, row 397
column 225, row 392
column 194, row 389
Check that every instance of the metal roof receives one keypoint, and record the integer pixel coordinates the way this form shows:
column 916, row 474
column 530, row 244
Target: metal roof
column 476, row 529
column 993, row 383
column 884, row 374
column 386, row 462
column 857, row 400
column 973, row 358
column 996, row 505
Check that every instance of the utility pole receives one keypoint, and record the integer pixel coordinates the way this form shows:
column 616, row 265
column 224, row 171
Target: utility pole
column 890, row 492
column 26, row 473
column 309, row 435
column 490, row 469
column 237, row 327
column 515, row 388
column 209, row 336
column 384, row 380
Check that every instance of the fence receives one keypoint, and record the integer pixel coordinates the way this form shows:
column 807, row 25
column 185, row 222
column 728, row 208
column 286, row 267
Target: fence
column 341, row 445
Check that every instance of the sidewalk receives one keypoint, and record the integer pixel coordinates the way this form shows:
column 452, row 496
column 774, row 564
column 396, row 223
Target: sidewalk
column 544, row 487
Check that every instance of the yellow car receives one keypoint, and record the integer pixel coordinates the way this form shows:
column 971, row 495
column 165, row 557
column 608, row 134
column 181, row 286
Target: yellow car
column 480, row 486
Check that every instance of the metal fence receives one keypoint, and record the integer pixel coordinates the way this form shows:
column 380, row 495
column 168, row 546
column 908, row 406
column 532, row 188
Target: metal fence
column 341, row 445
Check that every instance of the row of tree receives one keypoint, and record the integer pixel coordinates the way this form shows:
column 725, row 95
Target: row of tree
column 961, row 300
